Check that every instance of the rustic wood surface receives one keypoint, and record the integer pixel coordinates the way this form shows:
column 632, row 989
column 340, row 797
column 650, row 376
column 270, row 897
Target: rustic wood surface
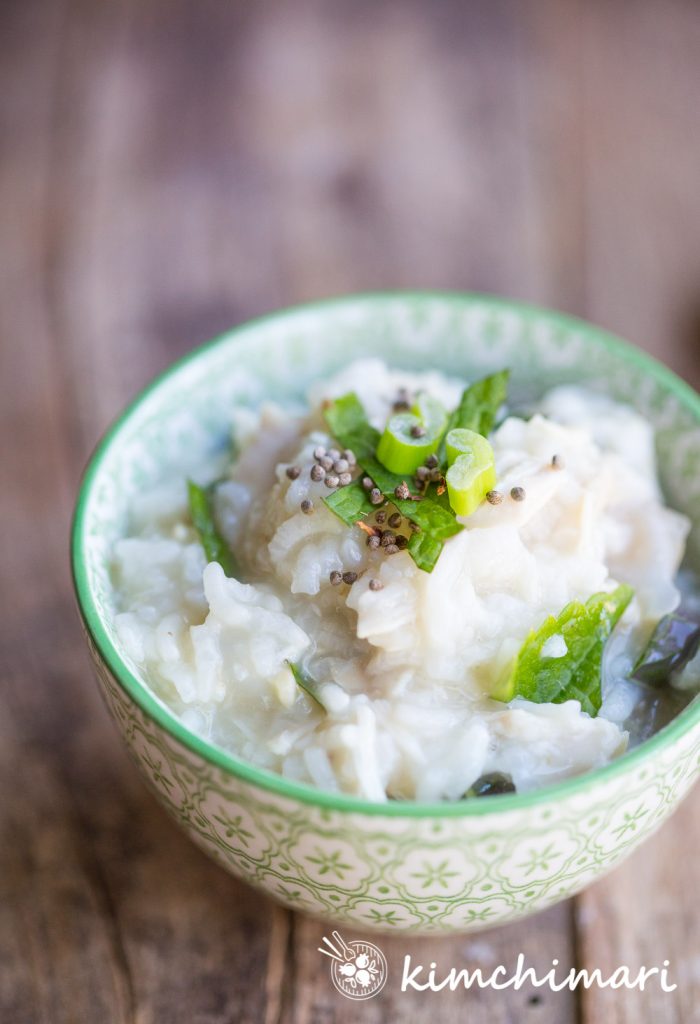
column 170, row 168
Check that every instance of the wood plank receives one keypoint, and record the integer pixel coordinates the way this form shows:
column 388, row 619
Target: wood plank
column 106, row 910
column 642, row 166
column 174, row 169
column 643, row 914
column 642, row 215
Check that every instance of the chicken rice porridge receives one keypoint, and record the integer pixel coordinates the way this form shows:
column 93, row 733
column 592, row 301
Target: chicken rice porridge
column 412, row 592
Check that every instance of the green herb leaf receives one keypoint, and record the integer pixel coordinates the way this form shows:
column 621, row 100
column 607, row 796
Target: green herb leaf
column 350, row 503
column 491, row 784
column 306, row 683
column 215, row 547
column 425, row 550
column 478, row 407
column 432, row 517
column 348, row 423
column 576, row 675
column 674, row 642
column 386, row 481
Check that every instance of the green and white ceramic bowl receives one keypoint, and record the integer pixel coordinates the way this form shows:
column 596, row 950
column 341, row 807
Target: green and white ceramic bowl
column 405, row 867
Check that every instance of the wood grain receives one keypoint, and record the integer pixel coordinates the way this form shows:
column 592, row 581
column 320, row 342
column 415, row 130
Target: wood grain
column 172, row 168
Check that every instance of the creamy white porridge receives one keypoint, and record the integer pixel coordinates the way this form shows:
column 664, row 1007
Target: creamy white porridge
column 477, row 630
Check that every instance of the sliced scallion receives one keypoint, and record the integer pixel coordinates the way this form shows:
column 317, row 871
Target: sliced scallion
column 410, row 437
column 472, row 471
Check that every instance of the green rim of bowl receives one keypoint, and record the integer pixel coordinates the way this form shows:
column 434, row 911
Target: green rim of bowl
column 227, row 762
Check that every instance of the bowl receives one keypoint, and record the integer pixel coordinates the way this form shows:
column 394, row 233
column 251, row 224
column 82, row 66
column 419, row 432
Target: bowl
column 410, row 867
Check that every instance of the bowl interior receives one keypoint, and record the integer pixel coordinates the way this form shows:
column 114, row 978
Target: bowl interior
column 185, row 414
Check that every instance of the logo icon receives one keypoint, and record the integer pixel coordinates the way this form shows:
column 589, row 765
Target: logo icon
column 358, row 968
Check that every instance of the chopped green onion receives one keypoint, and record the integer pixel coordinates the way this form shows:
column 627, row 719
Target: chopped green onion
column 215, row 547
column 348, row 424
column 306, row 683
column 478, row 406
column 472, row 471
column 410, row 437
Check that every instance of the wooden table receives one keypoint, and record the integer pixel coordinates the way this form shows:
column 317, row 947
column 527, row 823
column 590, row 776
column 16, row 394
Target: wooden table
column 172, row 168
